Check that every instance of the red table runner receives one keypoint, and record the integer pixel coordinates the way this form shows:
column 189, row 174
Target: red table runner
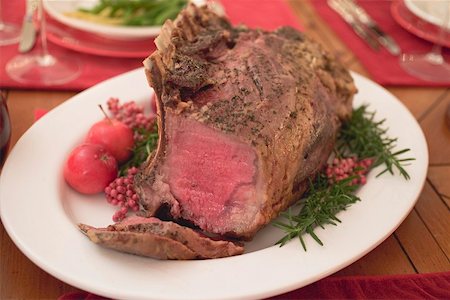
column 265, row 14
column 382, row 66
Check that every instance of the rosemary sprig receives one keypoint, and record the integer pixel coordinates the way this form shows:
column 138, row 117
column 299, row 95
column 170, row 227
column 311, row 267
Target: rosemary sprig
column 362, row 137
column 321, row 205
column 366, row 138
column 142, row 149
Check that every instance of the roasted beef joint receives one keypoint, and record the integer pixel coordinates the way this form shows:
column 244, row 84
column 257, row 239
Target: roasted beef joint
column 245, row 118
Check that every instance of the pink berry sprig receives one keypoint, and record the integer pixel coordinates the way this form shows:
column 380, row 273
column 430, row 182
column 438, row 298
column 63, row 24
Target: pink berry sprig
column 132, row 115
column 121, row 193
column 343, row 168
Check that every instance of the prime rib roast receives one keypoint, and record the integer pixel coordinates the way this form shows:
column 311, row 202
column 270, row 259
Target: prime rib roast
column 246, row 117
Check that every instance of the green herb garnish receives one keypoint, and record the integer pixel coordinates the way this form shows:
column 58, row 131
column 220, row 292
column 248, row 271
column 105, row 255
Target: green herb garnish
column 321, row 205
column 362, row 137
column 366, row 138
column 142, row 149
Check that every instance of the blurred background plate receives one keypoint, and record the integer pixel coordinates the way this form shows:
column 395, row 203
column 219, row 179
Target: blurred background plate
column 86, row 42
column 416, row 25
column 433, row 11
column 58, row 10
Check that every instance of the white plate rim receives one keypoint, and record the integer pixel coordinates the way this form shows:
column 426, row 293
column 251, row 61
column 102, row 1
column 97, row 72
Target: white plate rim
column 253, row 279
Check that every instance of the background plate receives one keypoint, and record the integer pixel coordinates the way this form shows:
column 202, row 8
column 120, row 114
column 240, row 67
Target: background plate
column 434, row 11
column 56, row 10
column 415, row 25
column 40, row 213
column 86, row 42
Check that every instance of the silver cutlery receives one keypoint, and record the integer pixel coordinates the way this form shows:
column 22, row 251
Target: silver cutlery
column 357, row 26
column 384, row 39
column 28, row 34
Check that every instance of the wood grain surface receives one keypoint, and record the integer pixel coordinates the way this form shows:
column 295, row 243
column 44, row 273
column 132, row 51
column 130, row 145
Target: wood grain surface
column 420, row 245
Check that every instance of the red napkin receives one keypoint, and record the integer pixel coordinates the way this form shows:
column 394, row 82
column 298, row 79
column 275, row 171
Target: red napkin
column 415, row 286
column 266, row 14
column 383, row 67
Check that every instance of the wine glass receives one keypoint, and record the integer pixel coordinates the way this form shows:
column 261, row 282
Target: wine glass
column 432, row 65
column 9, row 33
column 5, row 128
column 43, row 67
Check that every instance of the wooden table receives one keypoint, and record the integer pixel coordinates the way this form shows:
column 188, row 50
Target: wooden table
column 420, row 245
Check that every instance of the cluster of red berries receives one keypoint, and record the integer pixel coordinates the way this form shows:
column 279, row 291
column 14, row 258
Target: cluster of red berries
column 343, row 168
column 121, row 193
column 131, row 115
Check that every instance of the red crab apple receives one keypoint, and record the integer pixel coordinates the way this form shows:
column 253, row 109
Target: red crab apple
column 116, row 137
column 90, row 168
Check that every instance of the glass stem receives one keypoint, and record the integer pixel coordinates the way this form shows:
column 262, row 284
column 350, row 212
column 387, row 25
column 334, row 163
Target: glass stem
column 435, row 56
column 45, row 59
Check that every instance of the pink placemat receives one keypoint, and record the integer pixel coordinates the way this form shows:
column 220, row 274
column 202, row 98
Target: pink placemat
column 382, row 66
column 265, row 14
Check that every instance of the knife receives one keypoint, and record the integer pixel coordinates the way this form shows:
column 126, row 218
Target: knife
column 357, row 26
column 384, row 39
column 28, row 34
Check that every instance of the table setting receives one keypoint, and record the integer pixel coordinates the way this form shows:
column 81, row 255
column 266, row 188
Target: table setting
column 390, row 15
column 58, row 66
